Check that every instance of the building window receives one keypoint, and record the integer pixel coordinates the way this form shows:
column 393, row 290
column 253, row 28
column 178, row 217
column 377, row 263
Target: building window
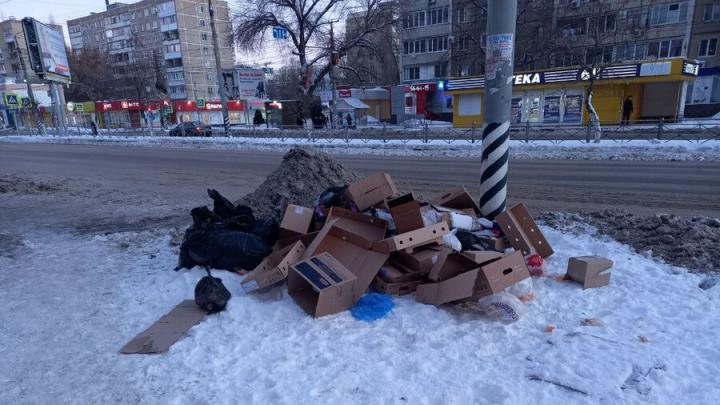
column 202, row 23
column 570, row 27
column 712, row 11
column 463, row 43
column 201, row 8
column 211, row 91
column 176, row 76
column 601, row 55
column 607, row 23
column 669, row 13
column 204, row 36
column 665, row 49
column 708, row 47
column 206, row 51
column 147, row 12
column 171, row 63
column 168, row 20
column 412, row 73
column 463, row 15
column 441, row 69
column 172, row 48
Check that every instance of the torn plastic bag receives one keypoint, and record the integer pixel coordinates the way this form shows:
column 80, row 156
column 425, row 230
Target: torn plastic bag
column 222, row 249
column 331, row 197
column 469, row 240
column 211, row 294
column 503, row 307
column 451, row 241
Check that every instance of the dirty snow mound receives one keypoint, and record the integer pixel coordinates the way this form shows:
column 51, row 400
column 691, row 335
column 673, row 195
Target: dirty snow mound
column 301, row 177
column 686, row 242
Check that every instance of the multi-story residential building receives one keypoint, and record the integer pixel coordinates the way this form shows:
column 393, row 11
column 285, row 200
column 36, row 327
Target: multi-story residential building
column 426, row 50
column 379, row 63
column 703, row 96
column 159, row 39
column 13, row 47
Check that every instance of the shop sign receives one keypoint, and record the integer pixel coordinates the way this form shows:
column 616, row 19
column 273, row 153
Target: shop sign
column 529, row 78
column 414, row 88
column 692, row 69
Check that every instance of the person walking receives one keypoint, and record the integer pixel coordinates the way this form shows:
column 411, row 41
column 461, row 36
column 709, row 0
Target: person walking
column 627, row 109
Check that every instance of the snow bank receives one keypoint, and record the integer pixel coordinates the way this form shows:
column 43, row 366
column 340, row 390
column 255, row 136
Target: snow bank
column 69, row 304
column 569, row 150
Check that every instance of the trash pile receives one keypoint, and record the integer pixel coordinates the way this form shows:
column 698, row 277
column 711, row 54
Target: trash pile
column 358, row 244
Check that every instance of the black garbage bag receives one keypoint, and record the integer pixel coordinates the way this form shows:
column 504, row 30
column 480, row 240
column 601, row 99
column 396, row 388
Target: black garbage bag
column 221, row 248
column 331, row 197
column 469, row 241
column 266, row 229
column 203, row 217
column 211, row 294
column 222, row 207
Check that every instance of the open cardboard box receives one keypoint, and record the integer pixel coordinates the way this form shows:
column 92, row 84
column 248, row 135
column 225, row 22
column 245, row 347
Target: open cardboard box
column 409, row 240
column 395, row 288
column 321, row 285
column 482, row 256
column 522, row 231
column 488, row 279
column 296, row 221
column 274, row 268
column 496, row 244
column 449, row 264
column 421, row 260
column 371, row 228
column 305, row 239
column 397, row 273
column 372, row 190
column 353, row 250
column 458, row 198
column 405, row 211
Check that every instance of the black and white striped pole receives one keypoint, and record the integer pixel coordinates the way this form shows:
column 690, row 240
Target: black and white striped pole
column 498, row 94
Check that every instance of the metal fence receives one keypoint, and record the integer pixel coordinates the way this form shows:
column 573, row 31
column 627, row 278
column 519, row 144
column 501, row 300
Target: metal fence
column 691, row 130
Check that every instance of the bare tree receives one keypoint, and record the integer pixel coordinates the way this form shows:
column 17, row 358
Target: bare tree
column 89, row 67
column 586, row 34
column 307, row 23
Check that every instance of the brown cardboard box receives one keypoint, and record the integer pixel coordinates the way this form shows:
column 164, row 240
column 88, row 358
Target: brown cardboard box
column 405, row 211
column 474, row 284
column 398, row 288
column 421, row 260
column 274, row 268
column 450, row 264
column 397, row 273
column 167, row 330
column 412, row 239
column 321, row 285
column 522, row 231
column 458, row 198
column 372, row 190
column 305, row 239
column 371, row 228
column 296, row 221
column 353, row 251
column 482, row 256
column 590, row 271
column 496, row 244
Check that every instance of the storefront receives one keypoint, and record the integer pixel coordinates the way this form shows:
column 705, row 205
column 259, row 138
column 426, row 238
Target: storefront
column 703, row 95
column 80, row 114
column 558, row 96
column 210, row 112
column 127, row 114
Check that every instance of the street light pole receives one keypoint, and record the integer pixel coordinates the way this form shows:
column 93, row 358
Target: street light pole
column 498, row 95
column 218, row 67
column 333, row 86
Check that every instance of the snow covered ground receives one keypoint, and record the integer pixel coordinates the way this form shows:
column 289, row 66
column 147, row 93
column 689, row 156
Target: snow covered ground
column 70, row 302
column 569, row 150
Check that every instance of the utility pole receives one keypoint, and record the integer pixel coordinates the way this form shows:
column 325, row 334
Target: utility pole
column 334, row 60
column 33, row 104
column 218, row 67
column 498, row 94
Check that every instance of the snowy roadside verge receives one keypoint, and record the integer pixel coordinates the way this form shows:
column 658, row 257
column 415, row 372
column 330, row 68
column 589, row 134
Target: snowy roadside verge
column 71, row 302
column 571, row 150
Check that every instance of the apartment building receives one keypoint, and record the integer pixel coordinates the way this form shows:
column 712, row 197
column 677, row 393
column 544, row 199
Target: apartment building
column 171, row 39
column 703, row 96
column 378, row 65
column 14, row 47
column 426, row 53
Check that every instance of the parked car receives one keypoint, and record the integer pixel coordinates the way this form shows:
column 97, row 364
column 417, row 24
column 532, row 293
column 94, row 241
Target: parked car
column 191, row 129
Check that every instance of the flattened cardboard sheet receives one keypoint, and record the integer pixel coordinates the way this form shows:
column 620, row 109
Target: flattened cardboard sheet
column 167, row 330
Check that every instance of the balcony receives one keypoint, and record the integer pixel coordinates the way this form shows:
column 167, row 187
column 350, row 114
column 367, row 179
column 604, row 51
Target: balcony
column 168, row 27
column 173, row 55
column 178, row 96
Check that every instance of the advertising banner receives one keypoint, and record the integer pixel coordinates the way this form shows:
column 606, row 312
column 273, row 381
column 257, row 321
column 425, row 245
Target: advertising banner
column 551, row 113
column 573, row 109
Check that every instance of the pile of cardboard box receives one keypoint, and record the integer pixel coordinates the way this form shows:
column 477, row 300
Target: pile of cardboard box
column 388, row 242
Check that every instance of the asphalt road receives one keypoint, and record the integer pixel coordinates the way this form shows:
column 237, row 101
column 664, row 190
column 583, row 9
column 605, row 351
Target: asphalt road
column 159, row 180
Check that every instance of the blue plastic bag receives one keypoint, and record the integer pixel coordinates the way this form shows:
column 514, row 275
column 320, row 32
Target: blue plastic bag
column 372, row 306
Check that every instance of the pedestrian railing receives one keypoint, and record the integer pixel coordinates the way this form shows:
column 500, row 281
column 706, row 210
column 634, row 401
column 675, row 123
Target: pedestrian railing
column 691, row 130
